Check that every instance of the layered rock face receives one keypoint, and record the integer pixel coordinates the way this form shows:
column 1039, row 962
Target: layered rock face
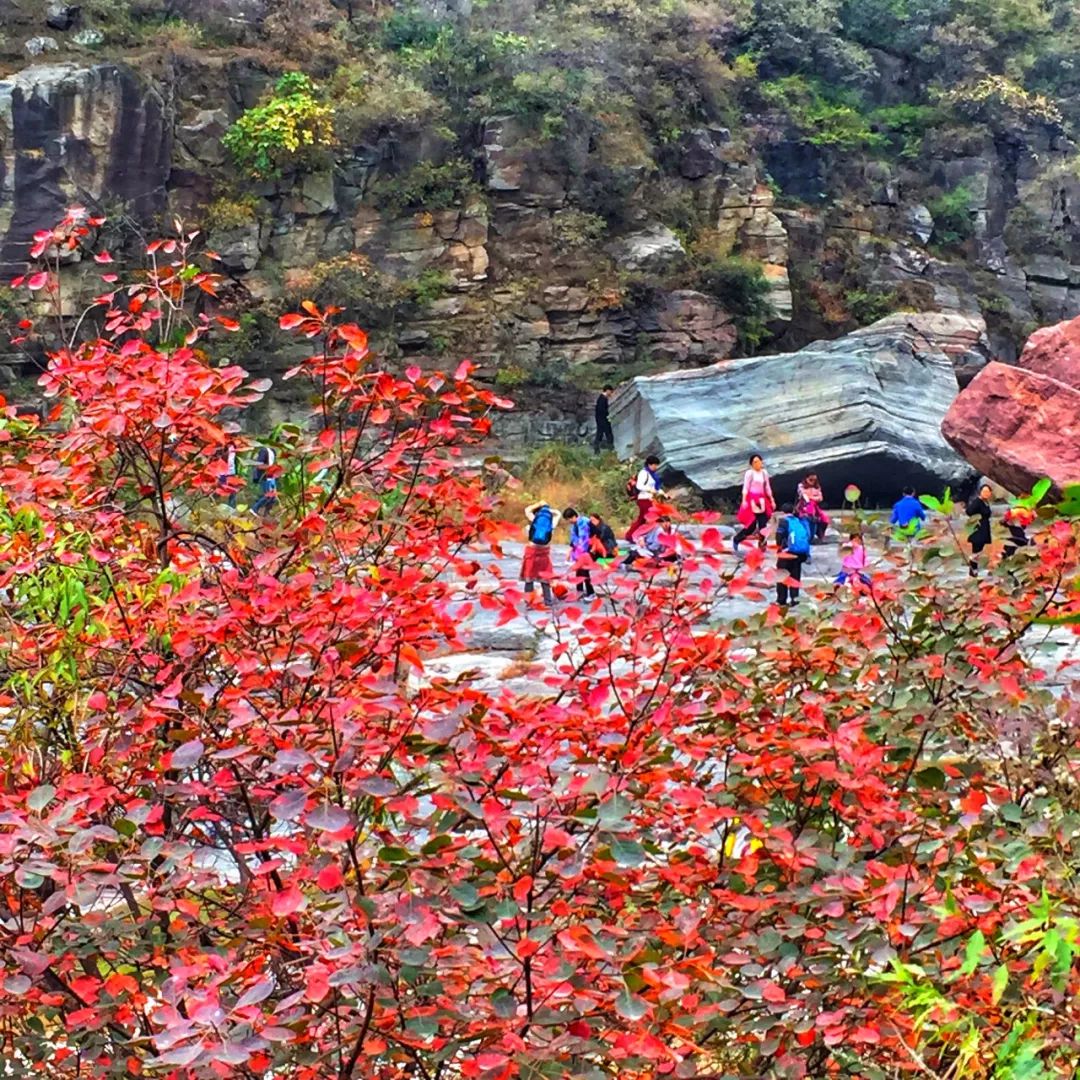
column 1018, row 424
column 865, row 409
column 71, row 134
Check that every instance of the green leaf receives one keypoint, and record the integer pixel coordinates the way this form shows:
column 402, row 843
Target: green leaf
column 628, row 853
column 394, row 855
column 613, row 811
column 1001, row 981
column 630, row 1006
column 1011, row 812
column 466, row 895
column 40, row 797
column 930, row 502
column 931, row 777
column 505, row 1004
column 976, row 946
column 1039, row 490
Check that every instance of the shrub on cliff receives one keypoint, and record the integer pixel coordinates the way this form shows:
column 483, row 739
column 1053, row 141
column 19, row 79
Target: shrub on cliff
column 742, row 289
column 290, row 130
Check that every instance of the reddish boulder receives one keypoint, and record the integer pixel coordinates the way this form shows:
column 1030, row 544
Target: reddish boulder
column 1055, row 351
column 1017, row 424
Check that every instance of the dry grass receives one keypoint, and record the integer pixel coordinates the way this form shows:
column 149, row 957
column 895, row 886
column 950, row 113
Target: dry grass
column 563, row 476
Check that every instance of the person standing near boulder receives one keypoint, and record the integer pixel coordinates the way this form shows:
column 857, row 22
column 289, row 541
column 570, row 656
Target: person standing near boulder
column 792, row 550
column 580, row 557
column 536, row 561
column 605, row 437
column 979, row 537
column 757, row 504
column 647, row 490
column 809, row 498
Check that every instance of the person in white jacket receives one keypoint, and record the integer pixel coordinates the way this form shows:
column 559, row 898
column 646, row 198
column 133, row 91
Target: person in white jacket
column 648, row 491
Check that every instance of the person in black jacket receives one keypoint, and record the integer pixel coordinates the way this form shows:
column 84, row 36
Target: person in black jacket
column 979, row 537
column 604, row 435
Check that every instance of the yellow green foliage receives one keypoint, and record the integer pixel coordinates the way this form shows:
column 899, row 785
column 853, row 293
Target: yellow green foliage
column 290, row 129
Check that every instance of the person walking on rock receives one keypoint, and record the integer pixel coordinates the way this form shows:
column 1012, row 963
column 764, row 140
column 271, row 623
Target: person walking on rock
column 647, row 490
column 908, row 509
column 536, row 561
column 979, row 537
column 265, row 459
column 792, row 551
column 580, row 556
column 809, row 498
column 605, row 437
column 757, row 505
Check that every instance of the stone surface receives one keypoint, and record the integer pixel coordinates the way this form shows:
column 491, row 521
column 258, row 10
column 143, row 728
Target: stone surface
column 73, row 134
column 61, row 16
column 1018, row 424
column 865, row 409
column 653, row 248
column 1015, row 426
column 38, row 45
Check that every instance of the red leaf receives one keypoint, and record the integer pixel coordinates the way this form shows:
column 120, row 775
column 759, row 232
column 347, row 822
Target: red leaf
column 37, row 281
column 291, row 321
column 288, row 901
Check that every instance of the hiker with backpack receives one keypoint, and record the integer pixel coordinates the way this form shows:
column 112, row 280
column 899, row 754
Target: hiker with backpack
column 808, row 500
column 536, row 562
column 265, row 459
column 792, row 551
column 758, row 504
column 644, row 489
column 580, row 556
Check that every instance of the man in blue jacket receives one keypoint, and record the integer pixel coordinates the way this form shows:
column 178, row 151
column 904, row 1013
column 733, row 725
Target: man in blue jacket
column 907, row 510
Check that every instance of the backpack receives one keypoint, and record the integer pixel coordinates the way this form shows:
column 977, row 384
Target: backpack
column 631, row 487
column 798, row 536
column 540, row 528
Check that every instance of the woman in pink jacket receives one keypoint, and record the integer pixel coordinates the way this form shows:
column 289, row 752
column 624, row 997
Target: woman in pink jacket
column 757, row 504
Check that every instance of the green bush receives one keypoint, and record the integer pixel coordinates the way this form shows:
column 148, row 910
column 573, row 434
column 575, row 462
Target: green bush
column 426, row 186
column 868, row 305
column 904, row 127
column 741, row 288
column 229, row 212
column 575, row 229
column 825, row 115
column 291, row 129
column 374, row 93
column 953, row 222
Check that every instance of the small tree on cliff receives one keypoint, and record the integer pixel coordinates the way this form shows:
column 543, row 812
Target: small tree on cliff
column 242, row 834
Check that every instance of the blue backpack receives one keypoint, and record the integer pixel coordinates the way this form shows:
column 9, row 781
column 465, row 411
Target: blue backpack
column 798, row 536
column 540, row 527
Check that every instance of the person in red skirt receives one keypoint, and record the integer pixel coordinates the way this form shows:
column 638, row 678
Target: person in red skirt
column 536, row 562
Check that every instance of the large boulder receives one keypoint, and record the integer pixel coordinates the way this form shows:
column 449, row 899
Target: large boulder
column 865, row 409
column 73, row 134
column 1018, row 424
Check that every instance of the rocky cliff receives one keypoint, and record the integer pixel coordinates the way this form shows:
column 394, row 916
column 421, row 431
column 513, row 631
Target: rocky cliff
column 570, row 194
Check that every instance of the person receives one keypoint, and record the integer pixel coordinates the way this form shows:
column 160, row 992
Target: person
column 646, row 490
column 604, row 435
column 809, row 498
column 907, row 509
column 979, row 537
column 757, row 504
column 227, row 480
column 854, row 562
column 580, row 555
column 265, row 459
column 536, row 561
column 659, row 541
column 1017, row 519
column 602, row 543
column 792, row 551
